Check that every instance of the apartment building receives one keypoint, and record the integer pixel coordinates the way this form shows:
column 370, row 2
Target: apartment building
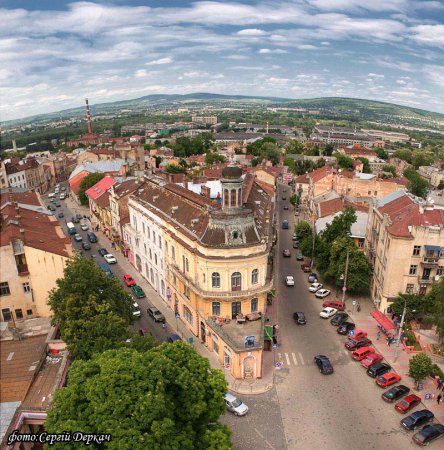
column 405, row 245
column 27, row 174
column 34, row 252
column 212, row 264
column 432, row 174
column 207, row 120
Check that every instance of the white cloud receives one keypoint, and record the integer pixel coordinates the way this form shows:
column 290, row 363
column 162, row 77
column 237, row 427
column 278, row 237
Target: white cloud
column 251, row 32
column 375, row 75
column 429, row 34
column 272, row 50
column 158, row 62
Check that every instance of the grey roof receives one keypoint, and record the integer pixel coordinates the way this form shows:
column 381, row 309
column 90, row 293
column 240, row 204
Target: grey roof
column 7, row 411
column 390, row 197
column 100, row 166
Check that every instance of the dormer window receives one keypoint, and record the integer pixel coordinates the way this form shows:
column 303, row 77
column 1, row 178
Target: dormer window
column 235, row 234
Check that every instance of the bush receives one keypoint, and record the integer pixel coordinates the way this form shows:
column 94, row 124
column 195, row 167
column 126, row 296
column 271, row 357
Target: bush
column 420, row 366
column 436, row 370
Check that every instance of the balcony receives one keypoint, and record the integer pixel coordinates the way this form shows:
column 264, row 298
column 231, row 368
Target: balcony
column 430, row 261
column 428, row 280
column 22, row 269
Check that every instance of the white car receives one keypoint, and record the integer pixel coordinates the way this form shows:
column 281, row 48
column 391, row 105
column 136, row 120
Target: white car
column 289, row 281
column 110, row 259
column 315, row 287
column 322, row 293
column 78, row 238
column 328, row 312
column 84, row 226
column 236, row 406
column 137, row 312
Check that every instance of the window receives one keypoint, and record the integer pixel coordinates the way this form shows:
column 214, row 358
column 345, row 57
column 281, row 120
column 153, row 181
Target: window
column 360, row 243
column 440, row 271
column 233, row 198
column 4, row 288
column 149, row 232
column 29, row 312
column 187, row 266
column 174, row 280
column 143, row 227
column 6, row 313
column 369, row 192
column 155, row 259
column 413, row 269
column 166, row 247
column 254, row 304
column 160, row 242
column 409, row 288
column 216, row 308
column 235, row 234
column 226, row 199
column 151, row 255
column 186, row 291
column 19, row 314
column 215, row 280
column 236, row 279
column 154, row 236
column 183, row 263
column 188, row 315
column 26, row 287
column 416, row 250
column 173, row 253
column 255, row 276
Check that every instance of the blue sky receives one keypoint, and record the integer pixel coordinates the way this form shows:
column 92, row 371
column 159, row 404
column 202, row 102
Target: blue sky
column 55, row 53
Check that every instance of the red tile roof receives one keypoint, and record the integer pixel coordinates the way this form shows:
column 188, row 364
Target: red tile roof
column 302, row 179
column 100, row 188
column 330, row 207
column 319, row 174
column 75, row 182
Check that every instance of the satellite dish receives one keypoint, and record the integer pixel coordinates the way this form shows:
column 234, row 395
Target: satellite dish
column 437, row 277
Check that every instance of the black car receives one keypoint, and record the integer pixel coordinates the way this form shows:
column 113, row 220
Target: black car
column 345, row 327
column 286, row 207
column 417, row 419
column 103, row 251
column 324, row 364
column 79, row 216
column 86, row 246
column 395, row 392
column 299, row 318
column 428, row 434
column 377, row 369
column 75, row 220
column 91, row 237
column 58, row 205
column 339, row 319
column 51, row 208
column 61, row 215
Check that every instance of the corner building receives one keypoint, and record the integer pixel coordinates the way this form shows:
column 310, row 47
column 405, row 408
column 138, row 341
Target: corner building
column 215, row 264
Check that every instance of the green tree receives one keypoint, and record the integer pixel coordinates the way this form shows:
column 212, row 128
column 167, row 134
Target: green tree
column 381, row 153
column 441, row 184
column 92, row 310
column 303, row 230
column 328, row 150
column 366, row 165
column 289, row 162
column 412, row 302
column 293, row 199
column 416, row 185
column 404, row 154
column 340, row 226
column 89, row 181
column 165, row 398
column 422, row 159
column 214, row 158
column 435, row 307
column 344, row 162
column 389, row 168
column 420, row 366
column 294, row 147
column 172, row 168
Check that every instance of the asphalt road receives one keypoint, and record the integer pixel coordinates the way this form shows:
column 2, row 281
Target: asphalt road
column 339, row 411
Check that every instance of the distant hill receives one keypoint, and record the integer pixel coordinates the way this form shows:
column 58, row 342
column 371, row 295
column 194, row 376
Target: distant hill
column 328, row 107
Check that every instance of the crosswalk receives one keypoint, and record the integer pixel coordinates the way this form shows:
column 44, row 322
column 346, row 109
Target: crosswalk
column 297, row 359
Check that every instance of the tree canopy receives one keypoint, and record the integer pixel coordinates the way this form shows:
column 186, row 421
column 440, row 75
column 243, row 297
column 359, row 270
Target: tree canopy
column 93, row 311
column 198, row 145
column 265, row 148
column 165, row 398
column 381, row 153
column 344, row 162
column 213, row 158
column 89, row 181
column 416, row 185
column 366, row 165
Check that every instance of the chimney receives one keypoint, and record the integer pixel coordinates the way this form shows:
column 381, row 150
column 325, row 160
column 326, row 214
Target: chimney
column 205, row 191
column 185, row 184
column 88, row 116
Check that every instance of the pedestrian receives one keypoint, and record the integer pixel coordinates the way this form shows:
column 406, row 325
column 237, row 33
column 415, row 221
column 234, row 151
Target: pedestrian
column 439, row 383
column 359, row 307
column 438, row 399
column 378, row 335
column 163, row 325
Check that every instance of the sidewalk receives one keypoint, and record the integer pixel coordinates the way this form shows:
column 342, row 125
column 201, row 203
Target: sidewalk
column 258, row 386
column 397, row 357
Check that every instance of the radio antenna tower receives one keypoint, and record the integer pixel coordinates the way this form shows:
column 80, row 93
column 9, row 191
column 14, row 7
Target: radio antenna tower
column 88, row 116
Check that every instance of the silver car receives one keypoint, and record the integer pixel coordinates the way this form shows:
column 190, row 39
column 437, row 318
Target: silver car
column 236, row 406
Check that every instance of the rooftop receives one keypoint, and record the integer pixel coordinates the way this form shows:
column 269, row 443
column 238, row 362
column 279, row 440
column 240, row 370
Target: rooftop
column 100, row 188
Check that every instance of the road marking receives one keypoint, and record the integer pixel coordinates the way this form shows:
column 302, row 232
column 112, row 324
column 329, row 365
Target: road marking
column 287, row 358
column 294, row 359
column 345, row 351
column 257, row 431
column 302, row 359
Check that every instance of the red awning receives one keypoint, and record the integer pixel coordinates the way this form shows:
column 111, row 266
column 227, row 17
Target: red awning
column 387, row 324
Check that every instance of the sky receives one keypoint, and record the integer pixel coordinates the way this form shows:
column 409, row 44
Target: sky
column 54, row 53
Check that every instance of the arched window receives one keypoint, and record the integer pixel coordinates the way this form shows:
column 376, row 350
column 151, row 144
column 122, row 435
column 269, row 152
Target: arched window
column 255, row 276
column 236, row 280
column 226, row 199
column 215, row 280
column 233, row 198
column 235, row 234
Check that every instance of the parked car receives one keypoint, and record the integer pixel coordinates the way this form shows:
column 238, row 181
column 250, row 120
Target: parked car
column 328, row 312
column 362, row 352
column 173, row 338
column 110, row 259
column 106, row 269
column 387, row 379
column 78, row 238
column 91, row 237
column 286, row 253
column 428, row 434
column 285, row 207
column 299, row 256
column 322, row 293
column 305, row 267
column 312, row 277
column 103, row 251
column 358, row 334
column 61, row 215
column 299, row 318
column 394, row 393
column 373, row 358
column 407, row 403
column 156, row 314
column 345, row 327
column 79, row 216
column 294, row 237
column 377, row 369
column 289, row 280
column 315, row 287
column 324, row 364
column 75, row 220
column 136, row 310
column 84, row 226
column 417, row 419
column 129, row 280
column 340, row 306
column 284, row 198
column 51, row 208
column 339, row 319
column 86, row 246
column 58, row 205
column 138, row 291
column 285, row 225
column 295, row 244
column 354, row 344
column 234, row 405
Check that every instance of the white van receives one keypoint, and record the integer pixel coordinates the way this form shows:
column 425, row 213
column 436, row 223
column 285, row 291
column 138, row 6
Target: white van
column 52, row 195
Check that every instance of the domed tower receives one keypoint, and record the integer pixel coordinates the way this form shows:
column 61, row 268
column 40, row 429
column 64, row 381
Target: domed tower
column 231, row 188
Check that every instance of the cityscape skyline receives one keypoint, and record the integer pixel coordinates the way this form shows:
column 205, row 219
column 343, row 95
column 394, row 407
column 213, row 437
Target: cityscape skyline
column 56, row 53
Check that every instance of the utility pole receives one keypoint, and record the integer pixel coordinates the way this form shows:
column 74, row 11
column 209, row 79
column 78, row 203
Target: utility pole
column 344, row 288
column 402, row 323
column 313, row 246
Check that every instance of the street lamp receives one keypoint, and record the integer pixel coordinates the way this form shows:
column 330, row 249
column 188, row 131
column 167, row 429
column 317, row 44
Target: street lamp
column 344, row 277
column 401, row 326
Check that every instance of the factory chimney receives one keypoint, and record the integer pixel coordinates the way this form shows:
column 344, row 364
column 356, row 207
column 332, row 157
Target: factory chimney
column 88, row 116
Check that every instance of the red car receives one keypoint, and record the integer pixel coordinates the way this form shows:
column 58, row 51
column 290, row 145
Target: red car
column 306, row 268
column 353, row 344
column 373, row 358
column 407, row 403
column 362, row 353
column 128, row 280
column 286, row 253
column 387, row 379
